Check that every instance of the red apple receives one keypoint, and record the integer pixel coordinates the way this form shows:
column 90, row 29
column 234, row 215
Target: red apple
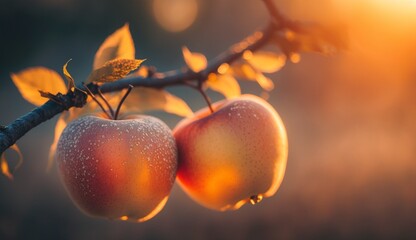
column 235, row 155
column 118, row 169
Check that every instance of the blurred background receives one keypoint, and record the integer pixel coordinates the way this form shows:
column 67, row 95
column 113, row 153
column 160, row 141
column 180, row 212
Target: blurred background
column 350, row 118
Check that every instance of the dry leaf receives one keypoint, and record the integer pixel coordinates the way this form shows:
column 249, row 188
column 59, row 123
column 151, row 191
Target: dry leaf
column 114, row 70
column 195, row 61
column 46, row 94
column 225, row 84
column 144, row 99
column 31, row 80
column 5, row 166
column 118, row 45
column 267, row 62
column 71, row 82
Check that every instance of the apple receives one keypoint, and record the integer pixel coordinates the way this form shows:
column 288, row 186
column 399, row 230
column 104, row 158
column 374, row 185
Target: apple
column 118, row 169
column 235, row 155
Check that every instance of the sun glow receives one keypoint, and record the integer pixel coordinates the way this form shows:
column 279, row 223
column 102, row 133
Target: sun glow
column 382, row 6
column 175, row 15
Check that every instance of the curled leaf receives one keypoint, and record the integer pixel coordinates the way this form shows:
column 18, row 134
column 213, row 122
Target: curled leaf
column 114, row 70
column 5, row 166
column 144, row 99
column 118, row 45
column 31, row 80
column 71, row 82
column 267, row 62
column 47, row 95
column 225, row 84
column 195, row 61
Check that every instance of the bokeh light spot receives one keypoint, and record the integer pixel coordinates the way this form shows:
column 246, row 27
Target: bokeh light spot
column 175, row 15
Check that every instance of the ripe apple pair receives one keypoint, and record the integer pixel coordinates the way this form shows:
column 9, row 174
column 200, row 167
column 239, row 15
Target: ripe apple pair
column 125, row 169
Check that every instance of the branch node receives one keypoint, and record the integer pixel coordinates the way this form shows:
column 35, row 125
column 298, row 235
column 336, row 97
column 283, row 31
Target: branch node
column 65, row 102
column 151, row 71
column 78, row 98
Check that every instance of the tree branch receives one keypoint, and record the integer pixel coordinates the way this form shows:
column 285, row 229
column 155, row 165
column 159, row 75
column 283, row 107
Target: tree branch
column 18, row 128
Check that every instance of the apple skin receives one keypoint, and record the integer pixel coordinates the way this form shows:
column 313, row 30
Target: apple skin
column 235, row 155
column 118, row 169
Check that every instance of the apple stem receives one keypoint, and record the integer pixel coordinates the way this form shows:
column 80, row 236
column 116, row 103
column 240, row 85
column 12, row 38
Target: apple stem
column 201, row 91
column 122, row 101
column 206, row 98
column 106, row 102
column 96, row 100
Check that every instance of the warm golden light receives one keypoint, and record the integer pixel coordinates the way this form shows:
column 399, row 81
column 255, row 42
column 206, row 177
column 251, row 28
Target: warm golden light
column 175, row 15
column 295, row 57
column 386, row 6
column 247, row 55
column 155, row 211
column 223, row 68
column 5, row 169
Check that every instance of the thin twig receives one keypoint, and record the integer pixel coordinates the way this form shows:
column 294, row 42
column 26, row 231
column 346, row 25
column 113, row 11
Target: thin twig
column 106, row 102
column 122, row 101
column 96, row 100
column 200, row 89
column 206, row 98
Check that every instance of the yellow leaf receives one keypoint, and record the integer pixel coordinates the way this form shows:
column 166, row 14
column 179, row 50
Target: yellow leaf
column 31, row 80
column 71, row 82
column 118, row 45
column 265, row 82
column 59, row 128
column 144, row 99
column 195, row 61
column 5, row 166
column 267, row 62
column 224, row 68
column 244, row 71
column 143, row 72
column 114, row 70
column 224, row 84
